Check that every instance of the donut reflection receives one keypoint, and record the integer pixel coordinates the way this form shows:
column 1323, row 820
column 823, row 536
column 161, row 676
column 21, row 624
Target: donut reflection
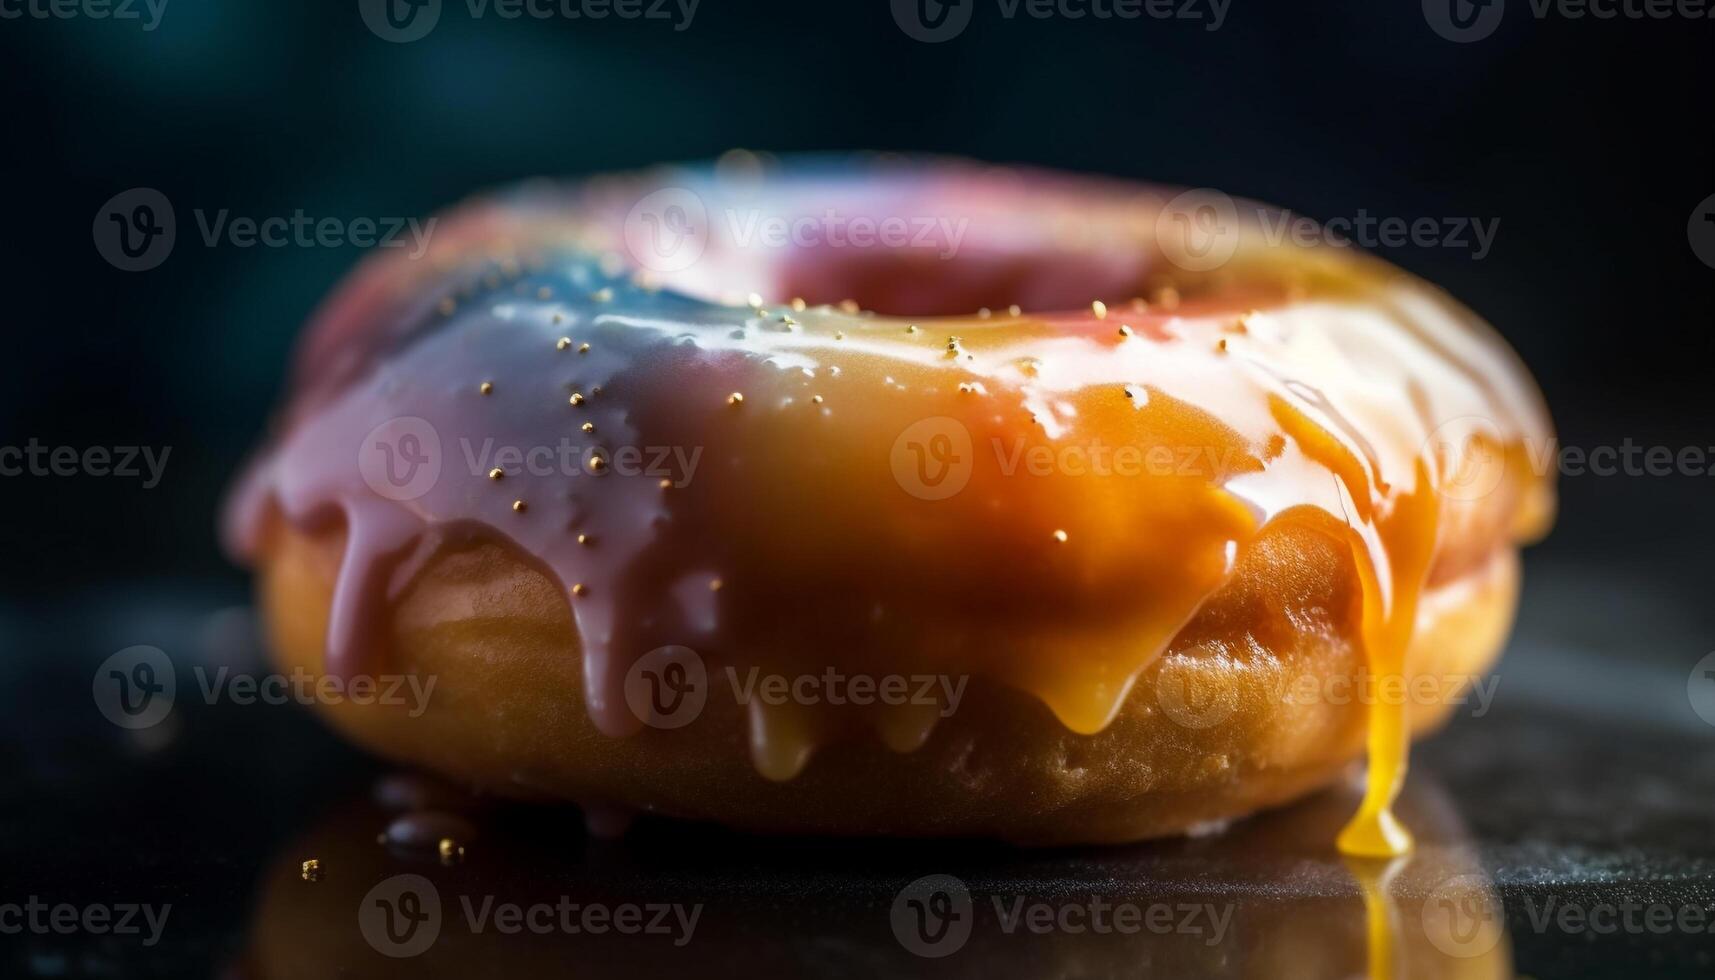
column 535, row 895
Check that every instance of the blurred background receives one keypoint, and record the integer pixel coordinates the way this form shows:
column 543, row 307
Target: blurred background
column 1587, row 142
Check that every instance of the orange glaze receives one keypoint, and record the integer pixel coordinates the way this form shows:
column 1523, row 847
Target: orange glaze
column 870, row 496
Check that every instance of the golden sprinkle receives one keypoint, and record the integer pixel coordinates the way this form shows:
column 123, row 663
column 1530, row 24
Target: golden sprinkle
column 597, row 464
column 1130, row 392
column 583, row 348
column 1014, row 310
column 754, row 299
column 816, row 398
column 1221, row 346
column 1060, row 536
column 311, row 870
column 583, row 539
column 486, row 388
column 562, row 343
column 798, row 304
column 1100, row 309
column 450, row 849
column 602, row 295
column 665, row 483
column 580, row 589
column 911, row 328
column 736, row 398
column 577, row 398
column 447, row 306
column 496, row 473
column 519, row 506
column 967, row 387
column 788, row 320
column 1125, row 330
column 839, row 335
column 588, row 427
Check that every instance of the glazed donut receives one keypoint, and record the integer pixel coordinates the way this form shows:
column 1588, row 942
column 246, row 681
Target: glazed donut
column 895, row 497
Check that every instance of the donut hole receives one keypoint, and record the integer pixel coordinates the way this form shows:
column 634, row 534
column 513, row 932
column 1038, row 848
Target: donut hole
column 953, row 278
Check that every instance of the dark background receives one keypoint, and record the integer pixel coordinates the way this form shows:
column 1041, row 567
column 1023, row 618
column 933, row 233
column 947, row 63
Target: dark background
column 1589, row 140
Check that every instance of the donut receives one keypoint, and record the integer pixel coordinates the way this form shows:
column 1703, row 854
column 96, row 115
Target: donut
column 892, row 496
